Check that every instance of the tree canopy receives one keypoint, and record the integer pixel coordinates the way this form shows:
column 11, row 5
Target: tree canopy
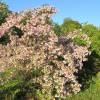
column 3, row 11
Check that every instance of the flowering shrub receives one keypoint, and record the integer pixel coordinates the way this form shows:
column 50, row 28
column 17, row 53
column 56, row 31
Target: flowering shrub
column 35, row 59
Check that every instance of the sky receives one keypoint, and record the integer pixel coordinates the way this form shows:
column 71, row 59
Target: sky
column 80, row 10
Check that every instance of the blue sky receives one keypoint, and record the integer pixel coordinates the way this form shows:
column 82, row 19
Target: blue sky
column 80, row 10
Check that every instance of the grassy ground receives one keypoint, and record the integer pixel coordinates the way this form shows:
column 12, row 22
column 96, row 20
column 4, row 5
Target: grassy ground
column 93, row 93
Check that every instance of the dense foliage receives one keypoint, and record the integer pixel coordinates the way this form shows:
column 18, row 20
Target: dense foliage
column 4, row 11
column 35, row 61
column 70, row 25
column 92, row 31
column 92, row 66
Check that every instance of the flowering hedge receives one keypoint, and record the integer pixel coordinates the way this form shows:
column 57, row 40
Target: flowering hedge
column 35, row 59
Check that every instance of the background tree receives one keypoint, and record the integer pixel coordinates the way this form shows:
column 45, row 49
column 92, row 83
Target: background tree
column 70, row 25
column 57, row 29
column 94, row 34
column 4, row 11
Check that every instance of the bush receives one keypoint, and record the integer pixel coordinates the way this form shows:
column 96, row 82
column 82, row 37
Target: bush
column 42, row 62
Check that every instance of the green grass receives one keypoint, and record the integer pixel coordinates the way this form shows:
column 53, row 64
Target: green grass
column 93, row 93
